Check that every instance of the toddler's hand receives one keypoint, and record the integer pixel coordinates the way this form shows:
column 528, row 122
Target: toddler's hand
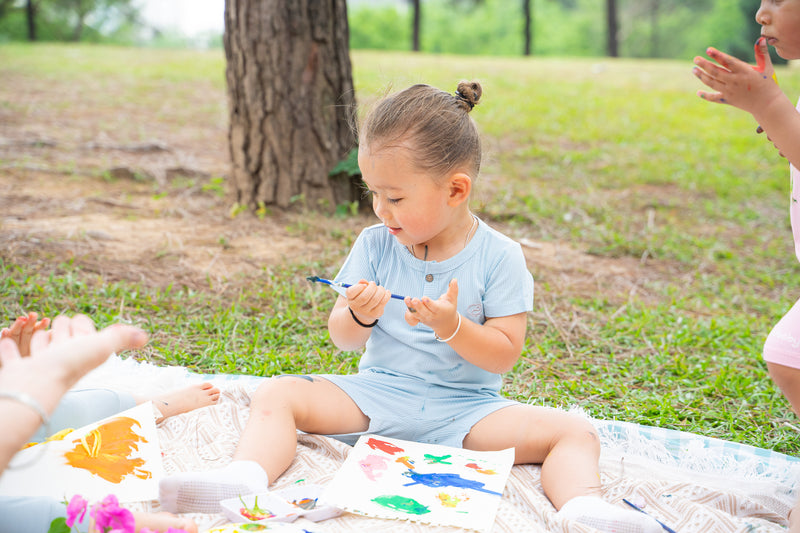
column 440, row 315
column 367, row 300
column 750, row 88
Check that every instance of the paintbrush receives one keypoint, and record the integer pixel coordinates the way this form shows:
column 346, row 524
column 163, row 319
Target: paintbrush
column 340, row 287
column 662, row 524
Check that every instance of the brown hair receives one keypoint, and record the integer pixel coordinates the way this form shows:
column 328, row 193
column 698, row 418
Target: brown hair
column 436, row 124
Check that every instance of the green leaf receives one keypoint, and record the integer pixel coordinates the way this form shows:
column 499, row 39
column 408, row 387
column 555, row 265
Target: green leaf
column 59, row 525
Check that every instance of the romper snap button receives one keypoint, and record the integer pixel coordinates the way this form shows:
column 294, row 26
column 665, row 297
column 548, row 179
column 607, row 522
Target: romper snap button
column 429, row 277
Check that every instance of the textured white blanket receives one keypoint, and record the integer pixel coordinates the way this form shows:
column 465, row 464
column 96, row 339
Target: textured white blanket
column 691, row 483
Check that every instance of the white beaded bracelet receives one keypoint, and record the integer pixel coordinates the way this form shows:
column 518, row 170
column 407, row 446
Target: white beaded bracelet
column 28, row 400
column 448, row 339
column 31, row 402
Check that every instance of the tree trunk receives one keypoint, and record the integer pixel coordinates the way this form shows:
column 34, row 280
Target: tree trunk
column 526, row 13
column 415, row 25
column 30, row 12
column 654, row 51
column 613, row 27
column 291, row 101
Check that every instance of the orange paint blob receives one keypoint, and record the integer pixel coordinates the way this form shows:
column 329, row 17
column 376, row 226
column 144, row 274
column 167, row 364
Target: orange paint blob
column 106, row 451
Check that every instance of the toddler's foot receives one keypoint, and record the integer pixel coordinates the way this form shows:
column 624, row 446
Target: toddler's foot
column 184, row 400
column 599, row 514
column 201, row 492
column 163, row 522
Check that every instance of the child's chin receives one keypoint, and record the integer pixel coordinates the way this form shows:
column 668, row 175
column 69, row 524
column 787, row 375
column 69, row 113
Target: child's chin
column 788, row 55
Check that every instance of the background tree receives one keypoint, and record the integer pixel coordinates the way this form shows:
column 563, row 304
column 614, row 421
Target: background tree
column 416, row 9
column 527, row 32
column 291, row 101
column 612, row 28
column 30, row 13
column 68, row 20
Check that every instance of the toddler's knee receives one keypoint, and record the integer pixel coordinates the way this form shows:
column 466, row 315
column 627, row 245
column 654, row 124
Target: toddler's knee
column 272, row 389
column 285, row 390
column 578, row 428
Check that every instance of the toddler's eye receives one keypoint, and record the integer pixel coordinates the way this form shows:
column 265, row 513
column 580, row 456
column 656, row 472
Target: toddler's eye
column 394, row 200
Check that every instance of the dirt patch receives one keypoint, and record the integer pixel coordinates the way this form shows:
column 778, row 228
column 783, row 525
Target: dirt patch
column 135, row 192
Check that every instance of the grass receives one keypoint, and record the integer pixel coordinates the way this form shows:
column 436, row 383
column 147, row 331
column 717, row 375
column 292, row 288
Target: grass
column 616, row 158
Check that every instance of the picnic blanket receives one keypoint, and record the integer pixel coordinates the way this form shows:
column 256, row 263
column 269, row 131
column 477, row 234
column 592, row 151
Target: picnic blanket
column 691, row 483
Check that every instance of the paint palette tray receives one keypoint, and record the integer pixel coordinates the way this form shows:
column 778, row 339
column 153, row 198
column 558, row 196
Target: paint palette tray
column 284, row 505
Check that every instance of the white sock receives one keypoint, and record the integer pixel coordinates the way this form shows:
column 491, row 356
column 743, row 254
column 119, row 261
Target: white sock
column 201, row 492
column 595, row 512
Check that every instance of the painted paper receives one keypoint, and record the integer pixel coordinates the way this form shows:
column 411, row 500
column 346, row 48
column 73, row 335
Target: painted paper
column 392, row 478
column 119, row 455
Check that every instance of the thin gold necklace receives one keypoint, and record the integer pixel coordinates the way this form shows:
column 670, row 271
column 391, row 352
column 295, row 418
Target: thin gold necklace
column 466, row 239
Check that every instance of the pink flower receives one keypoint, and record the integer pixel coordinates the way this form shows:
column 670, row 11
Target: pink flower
column 76, row 509
column 111, row 518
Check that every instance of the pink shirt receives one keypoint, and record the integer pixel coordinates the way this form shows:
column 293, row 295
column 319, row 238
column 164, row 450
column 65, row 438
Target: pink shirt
column 794, row 207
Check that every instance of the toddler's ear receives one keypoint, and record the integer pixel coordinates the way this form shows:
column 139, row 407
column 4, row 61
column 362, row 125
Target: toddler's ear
column 460, row 187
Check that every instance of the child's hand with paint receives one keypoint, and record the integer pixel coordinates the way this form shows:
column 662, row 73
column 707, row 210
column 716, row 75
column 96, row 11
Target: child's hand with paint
column 750, row 88
column 367, row 300
column 762, row 55
column 440, row 315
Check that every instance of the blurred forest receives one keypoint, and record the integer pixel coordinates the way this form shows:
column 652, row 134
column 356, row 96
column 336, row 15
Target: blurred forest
column 677, row 29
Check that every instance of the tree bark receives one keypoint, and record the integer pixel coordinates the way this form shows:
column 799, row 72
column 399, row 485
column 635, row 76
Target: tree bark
column 30, row 12
column 526, row 13
column 613, row 27
column 416, row 9
column 291, row 101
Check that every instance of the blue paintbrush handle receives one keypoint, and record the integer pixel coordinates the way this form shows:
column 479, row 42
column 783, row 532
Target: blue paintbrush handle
column 344, row 285
column 662, row 524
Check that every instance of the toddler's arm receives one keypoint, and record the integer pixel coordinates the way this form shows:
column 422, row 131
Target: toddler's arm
column 365, row 303
column 494, row 345
column 740, row 85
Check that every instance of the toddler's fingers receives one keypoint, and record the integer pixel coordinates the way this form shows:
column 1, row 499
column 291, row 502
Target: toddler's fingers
column 712, row 97
column 40, row 341
column 81, row 325
column 452, row 291
column 726, row 61
column 411, row 318
column 8, row 351
column 60, row 329
column 763, row 60
column 121, row 337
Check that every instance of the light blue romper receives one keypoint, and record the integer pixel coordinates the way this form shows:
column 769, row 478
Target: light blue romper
column 410, row 385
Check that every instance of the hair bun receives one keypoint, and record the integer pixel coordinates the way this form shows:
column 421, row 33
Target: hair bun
column 468, row 93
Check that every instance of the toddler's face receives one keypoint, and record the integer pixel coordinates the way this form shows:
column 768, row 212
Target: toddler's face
column 780, row 24
column 408, row 202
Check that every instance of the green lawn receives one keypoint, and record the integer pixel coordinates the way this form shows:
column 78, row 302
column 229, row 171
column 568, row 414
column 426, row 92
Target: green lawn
column 617, row 159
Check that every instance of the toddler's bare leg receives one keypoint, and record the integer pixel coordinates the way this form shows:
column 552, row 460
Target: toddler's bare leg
column 788, row 381
column 283, row 405
column 278, row 409
column 568, row 448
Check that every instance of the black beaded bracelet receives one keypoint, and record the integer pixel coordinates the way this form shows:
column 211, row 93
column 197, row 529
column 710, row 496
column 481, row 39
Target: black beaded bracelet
column 361, row 323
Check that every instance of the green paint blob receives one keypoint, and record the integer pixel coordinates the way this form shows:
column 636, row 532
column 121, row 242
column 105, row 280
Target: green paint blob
column 401, row 503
